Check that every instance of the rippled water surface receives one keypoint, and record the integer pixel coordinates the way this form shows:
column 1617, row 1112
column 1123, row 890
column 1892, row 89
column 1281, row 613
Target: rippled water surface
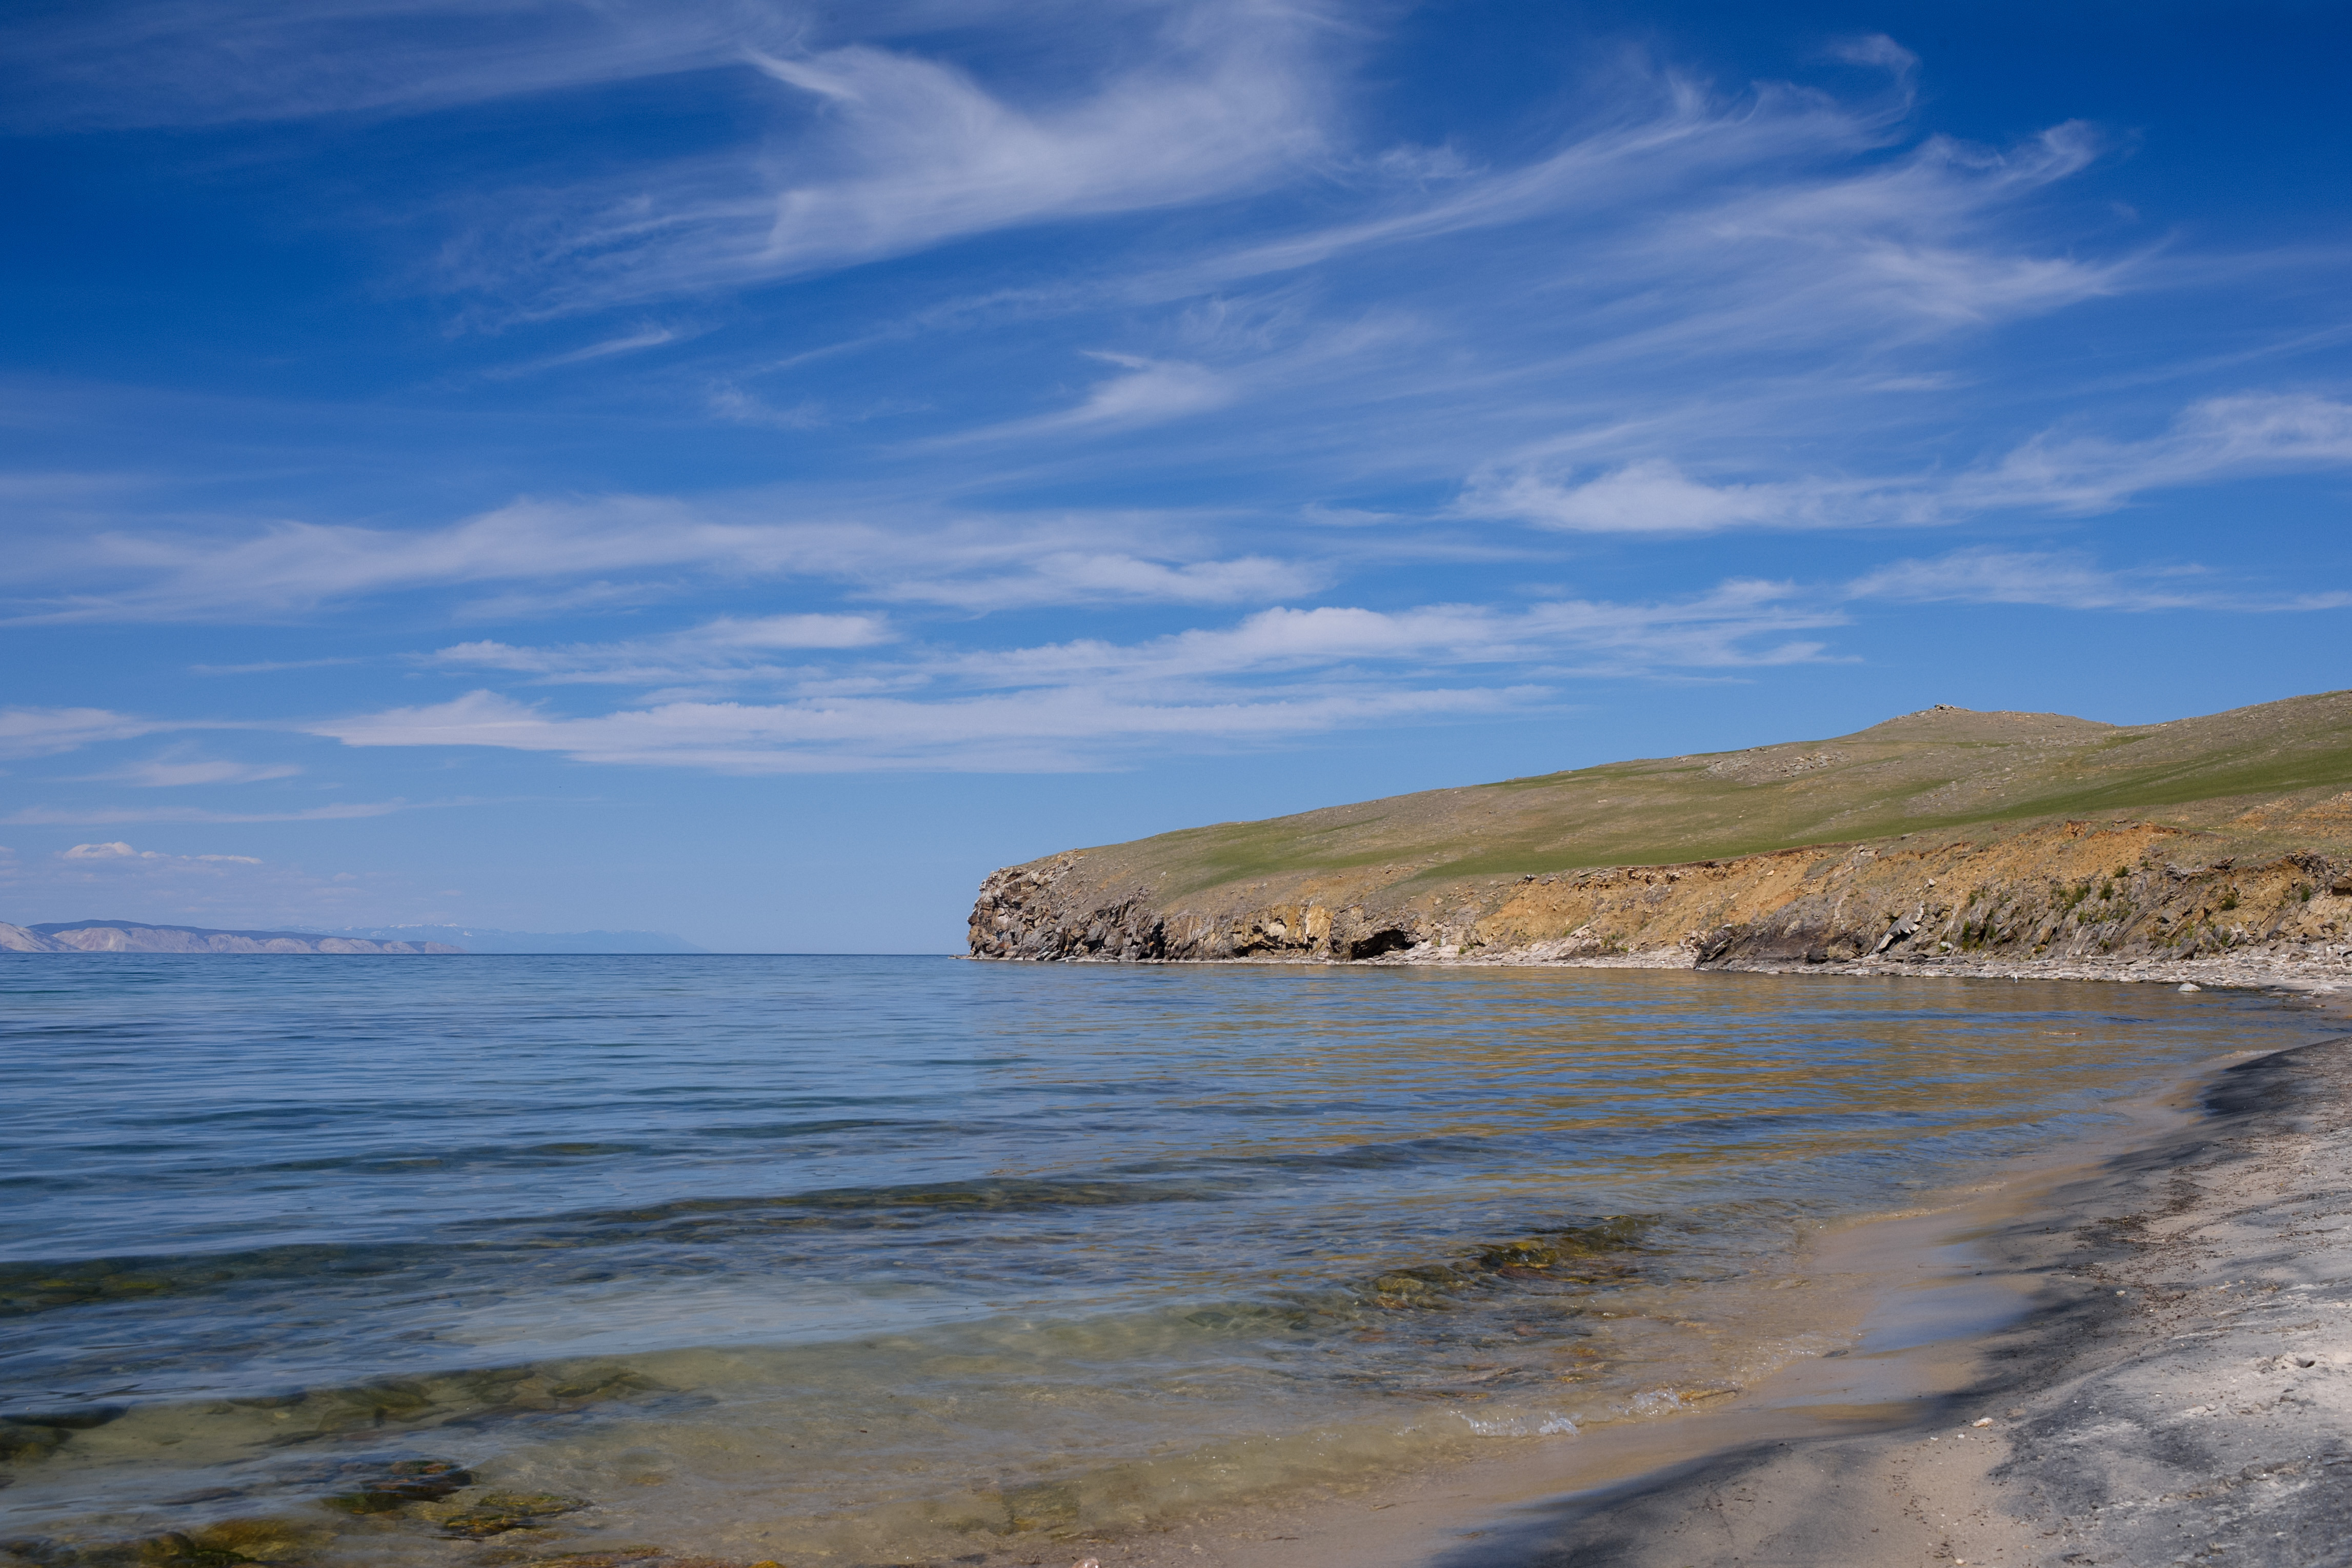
column 487, row 1259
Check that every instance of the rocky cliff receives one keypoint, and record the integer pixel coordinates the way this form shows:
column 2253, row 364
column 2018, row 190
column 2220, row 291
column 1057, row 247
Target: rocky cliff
column 2214, row 834
column 135, row 936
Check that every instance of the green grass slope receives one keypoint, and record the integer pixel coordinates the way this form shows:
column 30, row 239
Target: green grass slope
column 1942, row 768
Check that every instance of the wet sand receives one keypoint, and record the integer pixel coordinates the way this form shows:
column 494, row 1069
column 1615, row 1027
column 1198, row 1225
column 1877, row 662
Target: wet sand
column 2143, row 1357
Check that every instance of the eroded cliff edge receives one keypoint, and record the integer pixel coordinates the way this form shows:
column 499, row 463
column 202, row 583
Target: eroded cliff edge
column 2225, row 835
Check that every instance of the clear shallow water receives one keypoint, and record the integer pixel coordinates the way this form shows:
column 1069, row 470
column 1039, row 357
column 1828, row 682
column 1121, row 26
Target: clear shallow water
column 854, row 1259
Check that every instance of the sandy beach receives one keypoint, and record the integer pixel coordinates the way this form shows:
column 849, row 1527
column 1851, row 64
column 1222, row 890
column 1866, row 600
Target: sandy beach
column 2167, row 1380
column 2181, row 1392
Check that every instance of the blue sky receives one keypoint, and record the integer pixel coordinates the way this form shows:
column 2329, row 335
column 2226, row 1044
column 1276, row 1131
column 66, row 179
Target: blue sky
column 749, row 468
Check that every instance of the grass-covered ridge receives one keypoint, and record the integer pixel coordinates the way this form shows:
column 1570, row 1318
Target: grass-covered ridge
column 1938, row 769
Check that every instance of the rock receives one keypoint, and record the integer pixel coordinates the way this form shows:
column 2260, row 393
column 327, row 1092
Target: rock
column 20, row 1442
column 495, row 1513
column 259, row 1540
column 404, row 1482
column 81, row 1420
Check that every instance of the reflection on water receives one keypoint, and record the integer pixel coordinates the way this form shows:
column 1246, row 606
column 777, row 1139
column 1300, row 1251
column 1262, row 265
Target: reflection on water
column 901, row 1258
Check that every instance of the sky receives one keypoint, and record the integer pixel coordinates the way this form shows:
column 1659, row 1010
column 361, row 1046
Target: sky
column 747, row 469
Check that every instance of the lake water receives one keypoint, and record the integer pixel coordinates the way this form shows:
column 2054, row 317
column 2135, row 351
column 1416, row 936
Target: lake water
column 907, row 1260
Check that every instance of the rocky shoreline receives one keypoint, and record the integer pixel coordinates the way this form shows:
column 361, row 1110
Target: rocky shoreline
column 2117, row 900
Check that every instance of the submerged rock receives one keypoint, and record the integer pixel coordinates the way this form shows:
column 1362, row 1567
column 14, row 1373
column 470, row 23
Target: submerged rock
column 495, row 1513
column 81, row 1420
column 403, row 1482
column 260, row 1539
column 21, row 1441
column 223, row 1545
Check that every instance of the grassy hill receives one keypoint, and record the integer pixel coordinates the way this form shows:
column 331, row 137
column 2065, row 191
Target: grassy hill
column 2004, row 799
column 1942, row 768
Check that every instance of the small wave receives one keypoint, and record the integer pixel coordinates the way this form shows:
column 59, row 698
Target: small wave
column 1530, row 1424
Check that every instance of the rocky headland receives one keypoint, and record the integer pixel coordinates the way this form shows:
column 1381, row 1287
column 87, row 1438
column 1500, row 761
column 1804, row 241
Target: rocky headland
column 136, row 936
column 1947, row 840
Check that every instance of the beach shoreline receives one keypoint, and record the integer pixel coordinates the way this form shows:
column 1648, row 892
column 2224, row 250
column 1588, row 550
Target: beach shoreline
column 2293, row 972
column 2181, row 1392
column 2173, row 1384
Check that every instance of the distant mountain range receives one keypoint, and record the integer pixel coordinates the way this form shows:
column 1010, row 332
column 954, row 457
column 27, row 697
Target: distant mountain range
column 138, row 936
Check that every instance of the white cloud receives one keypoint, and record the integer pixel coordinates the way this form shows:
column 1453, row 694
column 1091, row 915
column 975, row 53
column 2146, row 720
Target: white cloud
column 740, row 407
column 100, row 815
column 2212, row 441
column 727, row 649
column 1082, row 576
column 43, row 731
column 897, row 153
column 1876, row 49
column 1715, row 629
column 2072, row 582
column 194, row 62
column 892, row 552
column 119, row 850
column 1151, row 392
column 1060, row 728
column 629, row 343
column 1652, row 496
column 2217, row 438
column 1276, row 673
column 173, row 772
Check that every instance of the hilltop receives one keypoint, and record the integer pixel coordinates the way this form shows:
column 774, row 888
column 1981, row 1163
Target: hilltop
column 1975, row 831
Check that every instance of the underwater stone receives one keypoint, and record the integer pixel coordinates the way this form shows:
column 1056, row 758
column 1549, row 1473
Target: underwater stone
column 259, row 1539
column 402, row 1482
column 494, row 1513
column 81, row 1420
column 20, row 1442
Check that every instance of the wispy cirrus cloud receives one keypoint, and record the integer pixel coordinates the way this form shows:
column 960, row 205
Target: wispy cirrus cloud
column 2214, row 440
column 887, row 551
column 107, row 817
column 1275, row 674
column 198, row 62
column 730, row 649
column 45, row 731
column 2246, row 435
column 631, row 342
column 1148, row 392
column 2074, row 581
column 182, row 772
column 895, row 152
column 1047, row 730
column 119, row 850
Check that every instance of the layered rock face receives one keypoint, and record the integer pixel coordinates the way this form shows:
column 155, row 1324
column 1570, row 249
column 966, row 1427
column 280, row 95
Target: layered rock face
column 1524, row 870
column 2067, row 890
column 133, row 936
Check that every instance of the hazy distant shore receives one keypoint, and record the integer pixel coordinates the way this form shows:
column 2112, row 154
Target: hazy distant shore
column 138, row 936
